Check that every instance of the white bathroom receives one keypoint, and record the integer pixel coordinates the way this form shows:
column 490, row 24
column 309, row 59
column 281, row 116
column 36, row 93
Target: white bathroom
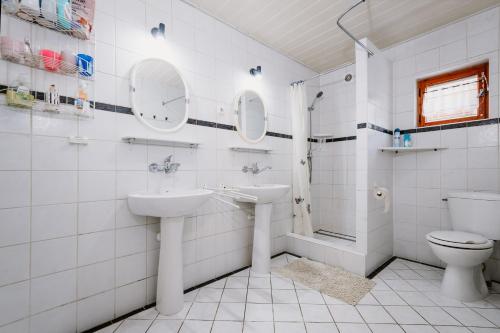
column 252, row 166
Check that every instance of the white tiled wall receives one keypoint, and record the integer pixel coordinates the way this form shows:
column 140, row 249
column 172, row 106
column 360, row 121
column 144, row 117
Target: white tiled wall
column 71, row 254
column 471, row 160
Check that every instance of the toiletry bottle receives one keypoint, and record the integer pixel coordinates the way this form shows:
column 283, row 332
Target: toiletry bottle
column 64, row 16
column 51, row 98
column 397, row 138
column 48, row 13
column 407, row 140
column 82, row 98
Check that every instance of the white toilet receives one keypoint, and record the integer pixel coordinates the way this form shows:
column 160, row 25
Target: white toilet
column 475, row 220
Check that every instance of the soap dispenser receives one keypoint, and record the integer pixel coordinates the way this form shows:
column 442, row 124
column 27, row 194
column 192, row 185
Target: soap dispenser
column 397, row 138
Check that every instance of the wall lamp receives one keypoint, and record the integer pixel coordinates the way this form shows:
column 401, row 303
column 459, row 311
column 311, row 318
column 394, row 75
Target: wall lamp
column 158, row 32
column 257, row 72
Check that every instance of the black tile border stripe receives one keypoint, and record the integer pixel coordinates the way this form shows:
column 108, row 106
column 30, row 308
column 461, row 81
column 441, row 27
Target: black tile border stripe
column 379, row 128
column 206, row 283
column 341, row 138
column 345, row 138
column 279, row 135
column 374, row 127
column 473, row 123
column 127, row 110
column 198, row 122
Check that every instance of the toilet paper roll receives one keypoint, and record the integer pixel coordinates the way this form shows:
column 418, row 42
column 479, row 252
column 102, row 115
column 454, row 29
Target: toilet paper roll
column 382, row 193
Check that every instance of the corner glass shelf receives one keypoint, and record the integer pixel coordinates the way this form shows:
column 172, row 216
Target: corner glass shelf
column 410, row 149
column 322, row 136
column 160, row 142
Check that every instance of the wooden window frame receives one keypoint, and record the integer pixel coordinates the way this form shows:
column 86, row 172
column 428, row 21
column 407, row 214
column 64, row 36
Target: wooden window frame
column 447, row 77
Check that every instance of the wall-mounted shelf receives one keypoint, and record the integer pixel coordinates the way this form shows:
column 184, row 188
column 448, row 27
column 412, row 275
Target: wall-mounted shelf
column 47, row 64
column 250, row 149
column 160, row 142
column 78, row 140
column 44, row 53
column 44, row 18
column 39, row 107
column 322, row 136
column 410, row 149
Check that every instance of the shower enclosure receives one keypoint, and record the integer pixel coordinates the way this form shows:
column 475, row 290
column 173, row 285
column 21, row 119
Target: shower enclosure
column 351, row 227
column 332, row 155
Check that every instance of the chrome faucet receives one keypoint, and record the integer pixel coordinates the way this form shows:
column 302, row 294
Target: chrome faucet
column 254, row 168
column 167, row 167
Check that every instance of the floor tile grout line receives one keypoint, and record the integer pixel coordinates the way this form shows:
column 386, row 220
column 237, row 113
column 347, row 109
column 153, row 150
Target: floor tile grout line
column 246, row 302
column 299, row 305
column 475, row 311
column 330, row 312
column 394, row 291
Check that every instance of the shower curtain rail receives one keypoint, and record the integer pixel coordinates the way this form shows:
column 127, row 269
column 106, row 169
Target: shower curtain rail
column 370, row 53
column 321, row 74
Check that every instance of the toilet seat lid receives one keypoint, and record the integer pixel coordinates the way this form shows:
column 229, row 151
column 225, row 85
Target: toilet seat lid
column 459, row 239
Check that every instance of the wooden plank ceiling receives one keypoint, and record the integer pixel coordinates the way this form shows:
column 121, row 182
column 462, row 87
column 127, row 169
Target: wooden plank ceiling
column 306, row 30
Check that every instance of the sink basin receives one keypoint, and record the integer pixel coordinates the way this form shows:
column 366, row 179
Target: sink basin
column 171, row 207
column 265, row 193
column 168, row 203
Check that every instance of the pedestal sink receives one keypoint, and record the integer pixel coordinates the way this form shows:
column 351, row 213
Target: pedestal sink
column 171, row 207
column 266, row 194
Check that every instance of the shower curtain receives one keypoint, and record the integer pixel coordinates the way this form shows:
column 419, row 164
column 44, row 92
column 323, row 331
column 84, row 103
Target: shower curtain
column 301, row 191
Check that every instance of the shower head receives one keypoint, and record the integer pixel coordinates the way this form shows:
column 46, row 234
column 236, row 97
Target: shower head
column 318, row 96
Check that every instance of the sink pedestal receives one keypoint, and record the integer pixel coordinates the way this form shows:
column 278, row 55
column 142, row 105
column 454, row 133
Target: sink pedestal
column 170, row 287
column 265, row 195
column 261, row 253
column 171, row 207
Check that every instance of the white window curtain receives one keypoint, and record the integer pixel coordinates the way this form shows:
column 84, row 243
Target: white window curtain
column 301, row 189
column 456, row 99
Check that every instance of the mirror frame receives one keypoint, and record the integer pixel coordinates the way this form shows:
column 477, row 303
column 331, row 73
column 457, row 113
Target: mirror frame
column 236, row 116
column 133, row 74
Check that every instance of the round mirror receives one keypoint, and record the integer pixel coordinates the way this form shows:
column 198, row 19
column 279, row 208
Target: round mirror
column 251, row 118
column 159, row 95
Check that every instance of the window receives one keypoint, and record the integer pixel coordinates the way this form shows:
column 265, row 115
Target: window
column 453, row 97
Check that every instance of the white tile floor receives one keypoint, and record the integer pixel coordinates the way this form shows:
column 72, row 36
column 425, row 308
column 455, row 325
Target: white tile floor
column 406, row 298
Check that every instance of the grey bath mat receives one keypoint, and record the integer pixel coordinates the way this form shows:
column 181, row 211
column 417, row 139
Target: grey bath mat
column 332, row 281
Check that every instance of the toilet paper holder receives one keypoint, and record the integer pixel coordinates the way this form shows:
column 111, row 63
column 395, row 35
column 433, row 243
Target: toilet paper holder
column 382, row 193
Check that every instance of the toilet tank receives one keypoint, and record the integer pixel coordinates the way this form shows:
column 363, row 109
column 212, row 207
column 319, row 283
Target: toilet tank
column 476, row 212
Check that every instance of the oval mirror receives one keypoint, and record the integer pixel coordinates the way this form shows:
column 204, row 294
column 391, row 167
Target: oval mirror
column 250, row 116
column 159, row 95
